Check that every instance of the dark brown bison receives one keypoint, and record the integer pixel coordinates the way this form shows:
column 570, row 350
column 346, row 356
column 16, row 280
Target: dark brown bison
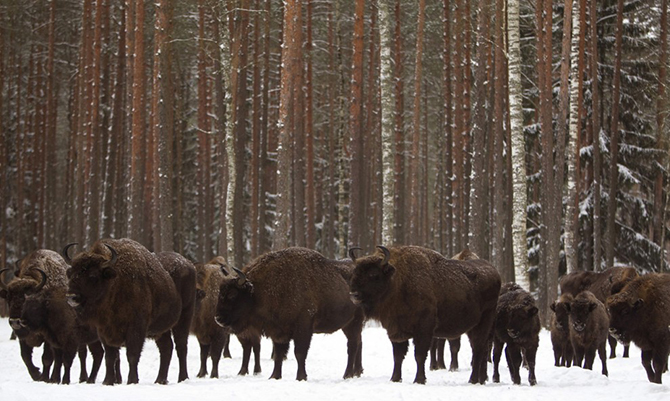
column 417, row 293
column 601, row 284
column 289, row 295
column 211, row 337
column 47, row 313
column 589, row 325
column 640, row 313
column 29, row 279
column 560, row 331
column 517, row 324
column 127, row 294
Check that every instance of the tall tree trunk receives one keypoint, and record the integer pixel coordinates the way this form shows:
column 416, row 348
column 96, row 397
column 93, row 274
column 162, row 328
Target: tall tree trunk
column 310, row 195
column 447, row 213
column 220, row 66
column 330, row 203
column 254, row 172
column 298, row 147
column 595, row 117
column 115, row 205
column 357, row 218
column 399, row 207
column 661, row 103
column 415, row 161
column 498, row 213
column 458, row 230
column 386, row 87
column 614, row 141
column 518, row 146
column 51, row 175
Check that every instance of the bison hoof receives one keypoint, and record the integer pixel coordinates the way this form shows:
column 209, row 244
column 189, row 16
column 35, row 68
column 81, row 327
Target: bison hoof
column 420, row 380
column 160, row 381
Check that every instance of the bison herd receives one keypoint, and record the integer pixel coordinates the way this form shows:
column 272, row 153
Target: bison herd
column 117, row 293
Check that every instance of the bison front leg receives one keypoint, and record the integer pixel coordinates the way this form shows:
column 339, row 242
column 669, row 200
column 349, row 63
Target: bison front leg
column 513, row 355
column 58, row 364
column 226, row 346
column 111, row 365
column 68, row 358
column 82, row 352
column 96, row 352
column 612, row 341
column 660, row 361
column 353, row 333
column 646, row 363
column 421, row 348
column 204, row 354
column 215, row 353
column 48, row 357
column 301, row 347
column 165, row 346
column 531, row 354
column 280, row 351
column 454, row 347
column 497, row 354
column 27, row 356
column 602, row 353
column 399, row 352
column 246, row 355
column 134, row 346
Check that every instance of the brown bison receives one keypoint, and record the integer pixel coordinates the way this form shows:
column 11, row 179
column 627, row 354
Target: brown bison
column 640, row 313
column 48, row 314
column 417, row 293
column 601, row 284
column 29, row 279
column 560, row 331
column 517, row 324
column 213, row 339
column 589, row 325
column 289, row 295
column 127, row 294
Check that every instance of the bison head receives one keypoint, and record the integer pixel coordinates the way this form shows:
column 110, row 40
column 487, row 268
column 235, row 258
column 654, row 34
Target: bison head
column 580, row 310
column 371, row 278
column 625, row 309
column 35, row 312
column 89, row 278
column 15, row 294
column 561, row 309
column 235, row 302
column 519, row 320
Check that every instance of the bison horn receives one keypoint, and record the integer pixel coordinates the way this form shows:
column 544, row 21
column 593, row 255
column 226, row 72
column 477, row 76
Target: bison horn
column 115, row 256
column 224, row 269
column 387, row 254
column 2, row 278
column 44, row 280
column 18, row 264
column 242, row 278
column 352, row 253
column 64, row 253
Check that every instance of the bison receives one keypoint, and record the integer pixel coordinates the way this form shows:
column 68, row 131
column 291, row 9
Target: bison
column 589, row 324
column 213, row 339
column 30, row 280
column 289, row 295
column 517, row 324
column 640, row 313
column 127, row 293
column 560, row 331
column 601, row 284
column 417, row 293
column 47, row 313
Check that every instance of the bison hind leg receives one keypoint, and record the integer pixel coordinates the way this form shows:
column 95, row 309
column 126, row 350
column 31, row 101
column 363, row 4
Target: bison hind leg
column 165, row 346
column 280, row 351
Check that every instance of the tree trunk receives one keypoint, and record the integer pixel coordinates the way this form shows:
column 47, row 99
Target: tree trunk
column 399, row 206
column 310, row 195
column 220, row 123
column 386, row 87
column 595, row 104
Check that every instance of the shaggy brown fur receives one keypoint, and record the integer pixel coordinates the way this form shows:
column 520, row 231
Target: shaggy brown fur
column 589, row 325
column 288, row 295
column 601, row 284
column 417, row 293
column 640, row 313
column 517, row 324
column 560, row 331
column 27, row 281
column 124, row 291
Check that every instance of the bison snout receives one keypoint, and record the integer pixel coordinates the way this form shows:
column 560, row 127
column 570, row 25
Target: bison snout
column 15, row 324
column 219, row 321
column 355, row 298
column 579, row 327
column 73, row 300
column 512, row 333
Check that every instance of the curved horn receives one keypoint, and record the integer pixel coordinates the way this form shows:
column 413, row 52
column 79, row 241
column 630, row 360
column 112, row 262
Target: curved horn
column 64, row 252
column 2, row 278
column 17, row 264
column 115, row 256
column 352, row 253
column 242, row 278
column 387, row 254
column 44, row 280
column 224, row 269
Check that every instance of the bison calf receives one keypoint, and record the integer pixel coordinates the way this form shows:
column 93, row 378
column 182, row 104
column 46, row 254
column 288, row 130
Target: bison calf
column 640, row 313
column 517, row 324
column 560, row 331
column 289, row 295
column 589, row 325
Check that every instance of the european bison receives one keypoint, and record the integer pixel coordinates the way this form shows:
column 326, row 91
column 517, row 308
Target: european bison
column 589, row 326
column 289, row 295
column 601, row 284
column 127, row 294
column 48, row 314
column 640, row 313
column 417, row 293
column 29, row 280
column 560, row 331
column 517, row 324
column 211, row 337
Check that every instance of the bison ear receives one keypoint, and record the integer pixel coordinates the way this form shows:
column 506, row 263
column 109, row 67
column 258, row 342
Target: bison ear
column 108, row 273
column 553, row 306
column 592, row 306
column 388, row 269
column 199, row 294
column 638, row 304
column 532, row 311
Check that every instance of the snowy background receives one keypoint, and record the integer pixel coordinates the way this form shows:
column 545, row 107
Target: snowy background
column 325, row 366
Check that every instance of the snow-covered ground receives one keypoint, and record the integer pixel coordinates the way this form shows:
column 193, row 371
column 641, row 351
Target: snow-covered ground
column 325, row 366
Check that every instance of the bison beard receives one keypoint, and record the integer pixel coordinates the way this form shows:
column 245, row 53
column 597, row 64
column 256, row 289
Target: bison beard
column 289, row 295
column 417, row 293
column 127, row 294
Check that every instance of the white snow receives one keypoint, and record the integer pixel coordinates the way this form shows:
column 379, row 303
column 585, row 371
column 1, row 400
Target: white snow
column 325, row 366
